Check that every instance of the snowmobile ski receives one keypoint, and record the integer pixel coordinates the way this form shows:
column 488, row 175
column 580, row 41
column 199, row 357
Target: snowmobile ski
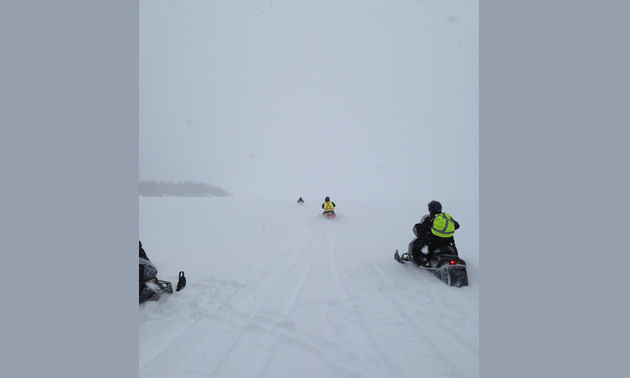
column 445, row 265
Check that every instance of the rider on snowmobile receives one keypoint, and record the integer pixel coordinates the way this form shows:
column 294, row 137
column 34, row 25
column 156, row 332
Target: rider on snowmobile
column 328, row 206
column 435, row 229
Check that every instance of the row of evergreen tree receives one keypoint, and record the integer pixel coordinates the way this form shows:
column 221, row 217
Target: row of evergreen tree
column 180, row 189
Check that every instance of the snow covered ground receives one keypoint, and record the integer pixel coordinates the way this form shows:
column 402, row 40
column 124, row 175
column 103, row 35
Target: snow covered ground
column 275, row 290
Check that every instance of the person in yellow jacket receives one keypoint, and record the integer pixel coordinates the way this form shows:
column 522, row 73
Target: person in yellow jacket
column 435, row 229
column 328, row 206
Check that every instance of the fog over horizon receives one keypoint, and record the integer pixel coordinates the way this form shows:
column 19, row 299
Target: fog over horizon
column 277, row 98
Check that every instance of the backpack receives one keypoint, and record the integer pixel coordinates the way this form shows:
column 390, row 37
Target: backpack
column 443, row 225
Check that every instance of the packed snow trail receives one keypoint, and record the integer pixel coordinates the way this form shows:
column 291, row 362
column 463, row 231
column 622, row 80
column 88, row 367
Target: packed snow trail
column 275, row 290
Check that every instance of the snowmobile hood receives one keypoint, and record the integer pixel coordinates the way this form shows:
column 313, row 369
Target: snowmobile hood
column 148, row 264
column 145, row 261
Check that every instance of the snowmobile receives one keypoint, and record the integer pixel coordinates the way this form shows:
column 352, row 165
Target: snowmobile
column 151, row 288
column 444, row 263
column 330, row 214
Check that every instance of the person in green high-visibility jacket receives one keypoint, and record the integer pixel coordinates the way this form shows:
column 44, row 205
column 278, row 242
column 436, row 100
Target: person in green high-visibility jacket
column 435, row 229
column 328, row 206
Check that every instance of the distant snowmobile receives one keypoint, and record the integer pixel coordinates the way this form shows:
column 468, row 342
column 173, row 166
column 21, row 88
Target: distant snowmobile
column 329, row 208
column 330, row 214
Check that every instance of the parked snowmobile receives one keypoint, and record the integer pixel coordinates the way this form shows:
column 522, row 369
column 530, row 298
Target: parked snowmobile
column 150, row 287
column 443, row 263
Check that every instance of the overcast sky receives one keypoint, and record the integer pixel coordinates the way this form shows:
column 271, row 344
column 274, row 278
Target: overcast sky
column 291, row 98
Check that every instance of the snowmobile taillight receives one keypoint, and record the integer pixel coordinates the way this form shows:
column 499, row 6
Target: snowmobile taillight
column 452, row 262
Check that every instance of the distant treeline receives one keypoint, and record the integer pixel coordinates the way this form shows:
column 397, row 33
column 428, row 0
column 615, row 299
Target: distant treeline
column 180, row 189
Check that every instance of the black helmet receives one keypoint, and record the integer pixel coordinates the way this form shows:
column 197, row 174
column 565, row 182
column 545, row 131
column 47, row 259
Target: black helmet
column 434, row 206
column 327, row 199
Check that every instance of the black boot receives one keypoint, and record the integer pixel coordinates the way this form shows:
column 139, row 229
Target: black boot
column 421, row 259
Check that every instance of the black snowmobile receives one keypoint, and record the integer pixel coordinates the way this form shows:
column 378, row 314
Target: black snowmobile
column 150, row 287
column 443, row 262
